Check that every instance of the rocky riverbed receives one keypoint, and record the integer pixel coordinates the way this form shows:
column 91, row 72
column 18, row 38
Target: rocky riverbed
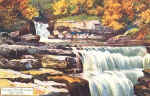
column 50, row 68
column 41, row 66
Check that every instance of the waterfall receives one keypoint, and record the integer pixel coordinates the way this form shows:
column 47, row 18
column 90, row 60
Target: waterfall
column 127, row 51
column 41, row 30
column 113, row 71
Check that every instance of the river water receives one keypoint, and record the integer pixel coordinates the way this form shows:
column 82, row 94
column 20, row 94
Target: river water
column 113, row 71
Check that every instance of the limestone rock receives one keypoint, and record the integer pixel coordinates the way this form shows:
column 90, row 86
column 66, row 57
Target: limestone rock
column 45, row 88
column 27, row 57
column 15, row 51
column 5, row 83
column 76, row 86
column 8, row 73
column 24, row 64
column 53, row 61
column 42, row 71
column 30, row 38
column 143, row 87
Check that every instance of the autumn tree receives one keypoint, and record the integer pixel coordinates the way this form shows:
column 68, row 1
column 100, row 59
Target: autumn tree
column 74, row 7
column 120, row 13
column 12, row 10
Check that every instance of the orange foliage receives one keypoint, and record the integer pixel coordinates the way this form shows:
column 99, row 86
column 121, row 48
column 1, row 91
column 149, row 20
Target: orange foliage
column 115, row 12
column 19, row 6
column 12, row 9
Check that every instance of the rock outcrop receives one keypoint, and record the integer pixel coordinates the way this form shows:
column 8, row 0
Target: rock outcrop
column 143, row 87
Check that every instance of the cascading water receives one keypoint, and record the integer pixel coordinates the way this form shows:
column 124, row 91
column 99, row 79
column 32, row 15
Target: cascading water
column 113, row 71
column 41, row 30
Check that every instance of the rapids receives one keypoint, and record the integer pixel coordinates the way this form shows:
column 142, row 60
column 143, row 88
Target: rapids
column 113, row 71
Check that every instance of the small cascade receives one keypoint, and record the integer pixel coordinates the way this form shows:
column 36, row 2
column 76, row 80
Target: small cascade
column 41, row 30
column 113, row 71
column 126, row 51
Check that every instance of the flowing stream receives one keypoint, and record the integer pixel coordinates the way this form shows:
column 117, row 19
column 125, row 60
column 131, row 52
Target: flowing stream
column 113, row 71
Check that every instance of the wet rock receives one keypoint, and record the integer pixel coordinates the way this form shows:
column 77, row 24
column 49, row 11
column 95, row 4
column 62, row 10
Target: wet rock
column 146, row 72
column 143, row 87
column 53, row 61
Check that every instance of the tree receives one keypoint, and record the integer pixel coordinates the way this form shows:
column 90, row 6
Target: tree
column 12, row 10
column 73, row 7
column 120, row 13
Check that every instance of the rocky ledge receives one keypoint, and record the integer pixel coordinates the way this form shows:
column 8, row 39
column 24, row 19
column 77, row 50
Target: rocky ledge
column 143, row 87
column 44, row 67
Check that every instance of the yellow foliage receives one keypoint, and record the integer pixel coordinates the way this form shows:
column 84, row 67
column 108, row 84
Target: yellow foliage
column 145, row 16
column 92, row 12
column 60, row 7
column 116, row 25
column 63, row 7
column 30, row 12
column 114, row 10
column 89, row 3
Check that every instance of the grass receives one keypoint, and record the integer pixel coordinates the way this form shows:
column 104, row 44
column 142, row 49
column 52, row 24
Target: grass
column 79, row 18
